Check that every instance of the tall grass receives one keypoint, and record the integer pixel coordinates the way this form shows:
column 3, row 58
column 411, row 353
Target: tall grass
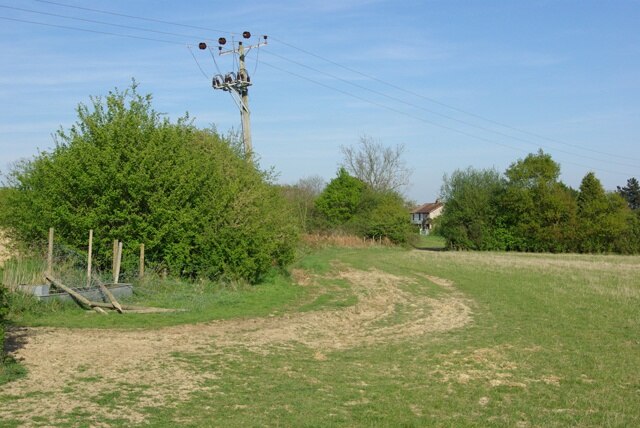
column 318, row 241
column 23, row 270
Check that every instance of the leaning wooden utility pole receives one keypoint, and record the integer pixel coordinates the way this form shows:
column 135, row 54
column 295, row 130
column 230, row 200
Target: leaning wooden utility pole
column 237, row 84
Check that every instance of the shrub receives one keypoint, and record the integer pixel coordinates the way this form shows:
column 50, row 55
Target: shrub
column 199, row 207
column 470, row 210
column 349, row 205
column 383, row 214
column 339, row 201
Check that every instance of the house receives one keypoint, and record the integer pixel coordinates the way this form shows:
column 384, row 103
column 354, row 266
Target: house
column 423, row 216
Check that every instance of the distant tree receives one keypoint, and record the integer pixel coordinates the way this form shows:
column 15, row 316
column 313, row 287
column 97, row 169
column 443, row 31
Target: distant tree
column 622, row 226
column 348, row 205
column 302, row 197
column 537, row 208
column 603, row 219
column 383, row 214
column 531, row 210
column 381, row 168
column 592, row 199
column 469, row 217
column 631, row 193
column 535, row 170
column 341, row 198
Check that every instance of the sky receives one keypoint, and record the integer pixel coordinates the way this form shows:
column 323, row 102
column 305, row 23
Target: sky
column 456, row 83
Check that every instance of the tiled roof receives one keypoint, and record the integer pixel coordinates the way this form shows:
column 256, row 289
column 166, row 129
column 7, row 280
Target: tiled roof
column 427, row 208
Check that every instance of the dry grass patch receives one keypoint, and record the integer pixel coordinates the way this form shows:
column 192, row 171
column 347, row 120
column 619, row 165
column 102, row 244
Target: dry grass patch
column 5, row 248
column 318, row 241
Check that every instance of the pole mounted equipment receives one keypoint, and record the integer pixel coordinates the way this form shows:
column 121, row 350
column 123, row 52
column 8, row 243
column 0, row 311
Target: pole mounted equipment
column 237, row 83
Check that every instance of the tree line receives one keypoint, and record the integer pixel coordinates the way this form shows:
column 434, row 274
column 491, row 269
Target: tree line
column 529, row 209
column 363, row 199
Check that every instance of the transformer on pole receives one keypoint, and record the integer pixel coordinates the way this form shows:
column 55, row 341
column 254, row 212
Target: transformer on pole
column 237, row 83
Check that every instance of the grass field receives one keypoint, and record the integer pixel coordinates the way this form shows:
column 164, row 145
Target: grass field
column 430, row 242
column 355, row 337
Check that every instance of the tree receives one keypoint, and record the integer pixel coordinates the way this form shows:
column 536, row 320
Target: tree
column 605, row 220
column 383, row 215
column 129, row 174
column 340, row 199
column 381, row 168
column 349, row 205
column 631, row 193
column 535, row 170
column 468, row 219
column 537, row 208
column 302, row 197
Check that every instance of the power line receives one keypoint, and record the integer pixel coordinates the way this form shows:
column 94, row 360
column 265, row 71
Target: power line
column 384, row 106
column 440, row 103
column 300, row 76
column 391, row 85
column 160, row 21
column 92, row 21
column 206, row 76
column 66, row 27
column 464, row 122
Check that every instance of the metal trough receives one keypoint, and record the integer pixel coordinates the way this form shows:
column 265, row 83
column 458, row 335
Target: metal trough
column 44, row 293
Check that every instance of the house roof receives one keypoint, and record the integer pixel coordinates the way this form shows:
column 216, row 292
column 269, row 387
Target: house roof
column 427, row 208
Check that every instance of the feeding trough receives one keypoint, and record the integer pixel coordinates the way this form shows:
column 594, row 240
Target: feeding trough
column 45, row 293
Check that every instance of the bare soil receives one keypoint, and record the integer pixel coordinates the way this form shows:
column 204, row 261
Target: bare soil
column 71, row 368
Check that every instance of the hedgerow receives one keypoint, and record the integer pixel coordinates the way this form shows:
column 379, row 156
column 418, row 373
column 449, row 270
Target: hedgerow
column 529, row 209
column 199, row 206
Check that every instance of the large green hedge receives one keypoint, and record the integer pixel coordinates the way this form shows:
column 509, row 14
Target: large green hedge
column 189, row 195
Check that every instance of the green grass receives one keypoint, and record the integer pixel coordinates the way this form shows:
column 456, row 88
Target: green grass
column 10, row 370
column 430, row 242
column 198, row 301
column 551, row 345
column 554, row 341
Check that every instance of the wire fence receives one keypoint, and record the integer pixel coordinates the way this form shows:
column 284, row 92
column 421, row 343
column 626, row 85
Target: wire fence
column 68, row 265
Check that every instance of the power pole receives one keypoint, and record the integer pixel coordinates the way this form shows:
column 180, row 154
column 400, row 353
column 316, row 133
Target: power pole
column 237, row 84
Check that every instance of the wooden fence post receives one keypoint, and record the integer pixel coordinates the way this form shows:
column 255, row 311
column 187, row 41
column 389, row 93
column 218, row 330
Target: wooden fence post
column 118, row 262
column 89, row 258
column 114, row 258
column 50, row 253
column 141, row 268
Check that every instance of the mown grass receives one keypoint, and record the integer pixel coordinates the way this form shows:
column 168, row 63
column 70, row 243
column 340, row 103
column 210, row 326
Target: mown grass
column 430, row 242
column 554, row 342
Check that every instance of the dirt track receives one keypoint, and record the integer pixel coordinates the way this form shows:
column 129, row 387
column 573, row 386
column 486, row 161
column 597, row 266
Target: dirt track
column 57, row 359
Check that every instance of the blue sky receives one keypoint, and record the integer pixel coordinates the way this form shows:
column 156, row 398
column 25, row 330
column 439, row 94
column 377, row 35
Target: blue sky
column 565, row 72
